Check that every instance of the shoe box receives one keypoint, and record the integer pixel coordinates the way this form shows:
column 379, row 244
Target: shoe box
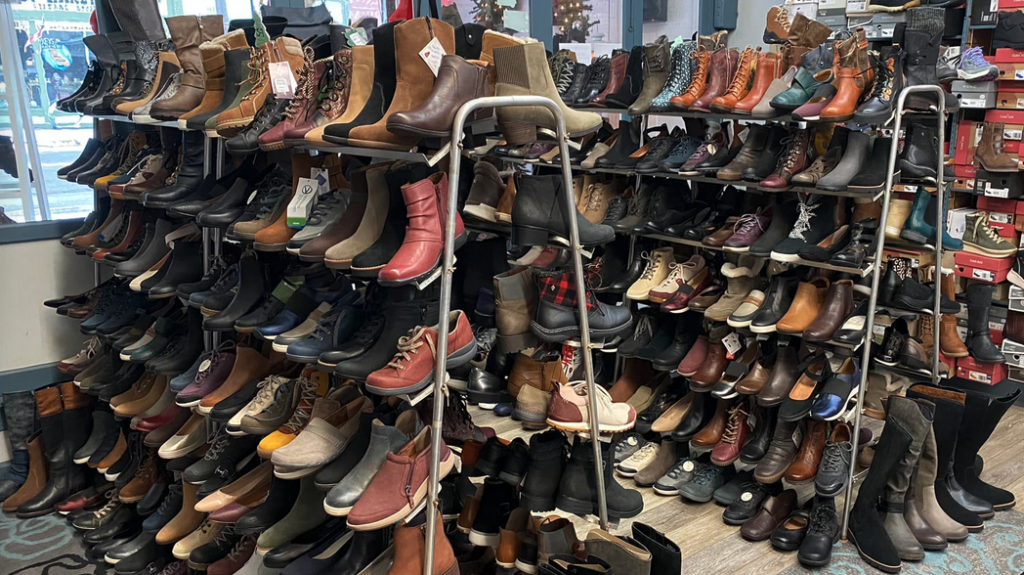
column 968, row 134
column 977, row 95
column 1016, row 298
column 877, row 26
column 1002, row 216
column 999, row 184
column 987, row 373
column 982, row 268
column 983, row 13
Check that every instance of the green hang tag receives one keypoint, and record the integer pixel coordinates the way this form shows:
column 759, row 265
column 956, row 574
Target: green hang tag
column 261, row 32
column 679, row 40
column 356, row 36
column 285, row 289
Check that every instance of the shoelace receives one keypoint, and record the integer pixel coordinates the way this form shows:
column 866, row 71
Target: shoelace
column 240, row 548
column 824, row 519
column 643, row 327
column 265, row 115
column 648, row 449
column 266, row 389
column 981, row 225
column 701, row 73
column 113, row 502
column 257, row 63
column 599, row 71
column 565, row 76
column 833, row 458
column 324, row 207
column 409, row 345
column 652, row 265
column 795, row 146
column 974, row 57
column 748, row 223
column 217, row 447
column 303, row 411
column 224, row 536
column 338, row 86
column 269, row 202
column 803, row 220
column 170, row 502
column 884, row 74
column 627, row 442
column 325, row 325
column 737, row 416
column 303, row 86
column 594, row 198
column 705, row 475
column 678, row 468
column 740, row 80
column 782, row 17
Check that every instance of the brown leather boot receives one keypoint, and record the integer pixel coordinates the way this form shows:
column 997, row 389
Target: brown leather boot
column 212, row 53
column 187, row 519
column 410, row 549
column 804, row 35
column 528, row 372
column 635, row 374
column 766, row 70
column 616, row 75
column 88, row 240
column 307, row 89
column 413, row 81
column 458, row 82
column 950, row 343
column 339, row 107
column 36, row 479
column 167, row 66
column 503, row 212
column 274, row 238
column 990, row 154
column 723, row 68
column 187, row 33
column 698, row 82
column 741, row 82
column 712, row 433
column 515, row 302
column 854, row 76
column 866, row 209
column 332, row 101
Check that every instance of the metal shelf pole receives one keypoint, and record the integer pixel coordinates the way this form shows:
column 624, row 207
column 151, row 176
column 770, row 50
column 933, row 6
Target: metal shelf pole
column 876, row 274
column 440, row 369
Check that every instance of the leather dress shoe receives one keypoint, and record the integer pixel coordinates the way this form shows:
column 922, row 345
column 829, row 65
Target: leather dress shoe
column 232, row 404
column 744, row 507
column 789, row 535
column 769, row 517
column 147, row 556
column 485, row 387
column 96, row 553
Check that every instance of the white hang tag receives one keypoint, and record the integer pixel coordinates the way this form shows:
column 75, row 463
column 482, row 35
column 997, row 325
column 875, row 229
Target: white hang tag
column 282, row 80
column 356, row 36
column 732, row 343
column 302, row 203
column 322, row 178
column 432, row 54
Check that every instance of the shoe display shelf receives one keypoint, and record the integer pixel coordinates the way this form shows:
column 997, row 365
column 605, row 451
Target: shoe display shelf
column 120, row 118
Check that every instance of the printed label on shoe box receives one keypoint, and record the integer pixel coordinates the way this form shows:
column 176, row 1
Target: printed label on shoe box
column 1005, row 230
column 1004, row 116
column 965, row 258
column 1010, row 71
column 854, row 7
column 1008, row 100
column 988, row 373
column 997, row 205
column 1008, row 55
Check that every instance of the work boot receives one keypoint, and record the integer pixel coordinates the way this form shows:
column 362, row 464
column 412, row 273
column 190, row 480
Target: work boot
column 738, row 87
column 187, row 33
column 724, row 63
column 521, row 70
column 656, row 70
column 952, row 498
column 990, row 154
column 64, row 415
column 979, row 338
column 853, row 78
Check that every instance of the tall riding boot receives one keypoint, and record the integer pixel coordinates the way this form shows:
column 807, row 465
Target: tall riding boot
column 64, row 415
column 924, row 487
column 922, row 38
column 982, row 414
column 867, row 531
column 36, row 478
column 949, row 411
column 140, row 17
column 125, row 49
column 916, row 420
column 979, row 338
column 187, row 33
column 102, row 47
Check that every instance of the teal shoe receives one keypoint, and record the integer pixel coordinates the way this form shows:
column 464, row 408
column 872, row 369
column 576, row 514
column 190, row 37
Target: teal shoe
column 919, row 231
column 803, row 88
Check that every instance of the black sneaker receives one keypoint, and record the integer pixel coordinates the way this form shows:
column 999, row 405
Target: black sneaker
column 496, row 504
column 919, row 297
column 815, row 221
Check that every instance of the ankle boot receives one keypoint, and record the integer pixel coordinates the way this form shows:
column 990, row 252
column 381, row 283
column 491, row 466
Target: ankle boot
column 698, row 82
column 189, row 175
column 515, row 303
column 724, row 63
column 36, row 478
column 165, row 66
column 920, row 153
column 331, row 104
column 982, row 414
column 64, row 414
column 924, row 496
column 867, row 531
column 951, row 497
column 124, row 47
column 426, row 204
column 929, row 538
column 621, row 91
column 89, row 84
column 410, row 549
column 915, row 420
column 879, row 107
column 979, row 338
column 141, row 73
column 990, row 153
column 949, row 338
column 317, row 58
column 853, row 77
column 522, row 70
column 577, row 491
column 539, row 213
column 187, row 33
column 656, row 69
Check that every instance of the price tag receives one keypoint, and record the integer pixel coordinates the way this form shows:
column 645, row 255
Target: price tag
column 432, row 54
column 732, row 344
column 979, row 376
column 356, row 36
column 204, row 366
column 322, row 178
column 997, row 192
column 984, row 275
column 282, row 81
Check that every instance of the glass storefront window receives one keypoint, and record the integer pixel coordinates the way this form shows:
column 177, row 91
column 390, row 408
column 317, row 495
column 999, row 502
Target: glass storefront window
column 508, row 16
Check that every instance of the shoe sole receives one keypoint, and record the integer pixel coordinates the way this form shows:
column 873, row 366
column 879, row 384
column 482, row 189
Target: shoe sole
column 456, row 359
column 584, row 427
column 446, row 467
column 976, row 249
column 910, row 4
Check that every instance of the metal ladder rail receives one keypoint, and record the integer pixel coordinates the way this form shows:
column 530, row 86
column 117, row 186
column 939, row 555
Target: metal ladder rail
column 876, row 274
column 440, row 368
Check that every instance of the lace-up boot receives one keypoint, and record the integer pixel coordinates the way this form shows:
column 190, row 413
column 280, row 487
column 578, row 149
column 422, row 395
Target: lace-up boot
column 795, row 159
column 723, row 66
column 679, row 79
column 817, row 217
column 307, row 388
column 737, row 431
column 879, row 107
column 741, row 82
column 307, row 89
column 822, row 533
column 656, row 70
column 698, row 81
column 605, row 77
column 658, row 267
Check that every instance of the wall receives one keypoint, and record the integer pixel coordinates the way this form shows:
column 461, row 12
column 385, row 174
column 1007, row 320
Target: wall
column 750, row 24
column 31, row 333
column 682, row 21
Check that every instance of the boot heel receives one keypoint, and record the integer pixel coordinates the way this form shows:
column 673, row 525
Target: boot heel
column 518, row 133
column 528, row 237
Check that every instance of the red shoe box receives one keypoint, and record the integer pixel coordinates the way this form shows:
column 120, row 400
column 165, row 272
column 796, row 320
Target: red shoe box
column 982, row 268
column 1012, row 147
column 987, row 373
column 1014, row 71
column 1004, row 116
column 968, row 171
column 1010, row 99
column 997, row 205
column 949, row 361
column 1009, row 5
column 967, row 136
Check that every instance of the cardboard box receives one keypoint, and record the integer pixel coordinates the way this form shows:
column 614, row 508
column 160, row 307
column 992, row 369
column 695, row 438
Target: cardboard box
column 1007, row 56
column 983, row 13
column 1005, row 117
column 975, row 94
column 982, row 268
column 997, row 205
column 1011, row 71
column 1007, row 100
column 1000, row 184
column 834, row 22
column 1006, row 5
column 956, row 221
column 1005, row 229
column 968, row 134
column 831, row 5
column 963, row 185
column 987, row 373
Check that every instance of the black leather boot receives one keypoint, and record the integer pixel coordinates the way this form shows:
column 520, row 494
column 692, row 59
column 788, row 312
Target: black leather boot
column 101, row 45
column 539, row 212
column 189, row 175
column 89, row 85
column 577, row 491
column 185, row 266
column 632, row 83
column 125, row 49
column 250, row 290
column 701, row 411
column 248, row 140
column 406, row 308
column 141, row 79
column 920, row 154
column 982, row 414
column 178, row 358
column 547, row 462
column 979, row 338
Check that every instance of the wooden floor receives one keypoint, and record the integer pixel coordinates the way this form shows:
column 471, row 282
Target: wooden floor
column 710, row 546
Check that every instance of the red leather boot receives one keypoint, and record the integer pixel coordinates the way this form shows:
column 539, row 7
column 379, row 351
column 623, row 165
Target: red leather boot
column 426, row 205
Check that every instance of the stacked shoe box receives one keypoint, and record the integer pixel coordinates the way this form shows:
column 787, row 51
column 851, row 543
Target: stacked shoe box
column 832, row 13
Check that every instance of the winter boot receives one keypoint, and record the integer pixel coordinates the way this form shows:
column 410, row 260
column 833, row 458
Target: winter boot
column 954, row 501
column 547, row 462
column 979, row 338
column 982, row 414
column 64, row 414
column 922, row 39
column 187, row 33
column 867, row 531
column 991, row 154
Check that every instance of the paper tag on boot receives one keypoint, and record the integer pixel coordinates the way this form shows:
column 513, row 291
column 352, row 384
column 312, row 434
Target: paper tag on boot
column 356, row 36
column 432, row 54
column 282, row 80
column 306, row 192
column 732, row 345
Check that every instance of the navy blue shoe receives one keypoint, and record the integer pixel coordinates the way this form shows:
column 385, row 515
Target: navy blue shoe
column 835, row 396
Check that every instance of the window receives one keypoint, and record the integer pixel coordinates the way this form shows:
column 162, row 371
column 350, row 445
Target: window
column 508, row 16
